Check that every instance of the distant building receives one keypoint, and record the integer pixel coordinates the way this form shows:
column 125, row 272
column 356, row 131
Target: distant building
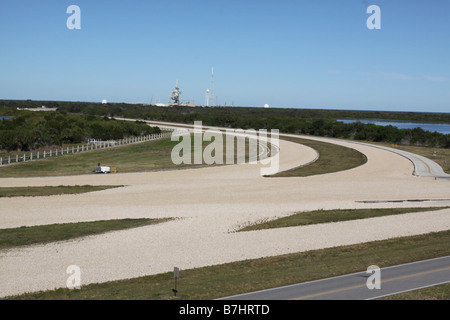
column 43, row 108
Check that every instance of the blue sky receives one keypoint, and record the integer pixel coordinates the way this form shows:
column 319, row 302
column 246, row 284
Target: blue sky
column 296, row 54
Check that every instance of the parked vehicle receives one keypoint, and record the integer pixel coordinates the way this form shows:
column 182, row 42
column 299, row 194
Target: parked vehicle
column 102, row 169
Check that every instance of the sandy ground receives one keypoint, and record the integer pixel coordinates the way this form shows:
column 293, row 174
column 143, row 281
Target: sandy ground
column 211, row 203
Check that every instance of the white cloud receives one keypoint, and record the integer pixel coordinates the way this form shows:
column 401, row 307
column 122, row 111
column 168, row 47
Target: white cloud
column 437, row 78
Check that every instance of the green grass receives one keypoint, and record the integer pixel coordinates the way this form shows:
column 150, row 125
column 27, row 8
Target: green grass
column 332, row 158
column 24, row 236
column 49, row 191
column 439, row 292
column 250, row 275
column 145, row 156
column 326, row 216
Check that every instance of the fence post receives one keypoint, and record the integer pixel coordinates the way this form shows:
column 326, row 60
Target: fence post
column 1, row 161
column 38, row 155
column 9, row 159
column 17, row 158
column 31, row 156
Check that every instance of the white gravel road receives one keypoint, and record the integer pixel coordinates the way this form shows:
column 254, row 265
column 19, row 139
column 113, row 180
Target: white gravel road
column 211, row 204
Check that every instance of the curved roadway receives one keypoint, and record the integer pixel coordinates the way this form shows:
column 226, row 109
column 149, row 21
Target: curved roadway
column 211, row 204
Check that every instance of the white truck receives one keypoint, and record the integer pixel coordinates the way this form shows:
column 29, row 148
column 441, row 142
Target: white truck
column 101, row 169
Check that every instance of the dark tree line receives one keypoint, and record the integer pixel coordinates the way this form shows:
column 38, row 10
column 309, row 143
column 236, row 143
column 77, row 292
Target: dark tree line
column 32, row 130
column 301, row 121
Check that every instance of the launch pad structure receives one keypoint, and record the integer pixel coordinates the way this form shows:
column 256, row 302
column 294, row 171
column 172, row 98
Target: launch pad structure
column 175, row 96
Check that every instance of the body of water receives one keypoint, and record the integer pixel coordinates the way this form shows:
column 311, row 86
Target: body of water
column 443, row 128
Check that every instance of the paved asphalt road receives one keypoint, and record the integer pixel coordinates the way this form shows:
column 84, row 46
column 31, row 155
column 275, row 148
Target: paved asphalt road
column 395, row 279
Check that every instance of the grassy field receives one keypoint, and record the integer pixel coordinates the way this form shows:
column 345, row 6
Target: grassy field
column 250, row 275
column 326, row 216
column 24, row 236
column 49, row 191
column 440, row 292
column 145, row 156
column 153, row 155
column 332, row 158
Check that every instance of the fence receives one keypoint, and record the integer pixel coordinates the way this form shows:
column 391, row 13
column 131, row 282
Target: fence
column 94, row 145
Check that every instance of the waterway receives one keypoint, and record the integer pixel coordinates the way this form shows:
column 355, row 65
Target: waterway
column 443, row 128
